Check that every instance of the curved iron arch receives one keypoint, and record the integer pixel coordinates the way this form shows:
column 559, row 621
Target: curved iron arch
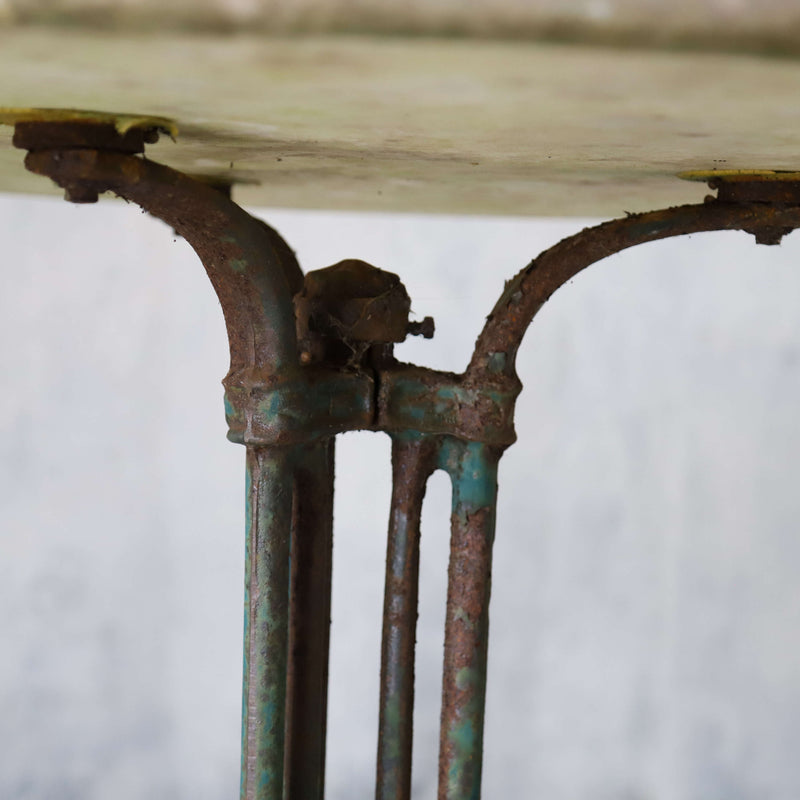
column 497, row 345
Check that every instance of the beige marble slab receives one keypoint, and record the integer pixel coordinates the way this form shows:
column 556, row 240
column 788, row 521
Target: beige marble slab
column 421, row 124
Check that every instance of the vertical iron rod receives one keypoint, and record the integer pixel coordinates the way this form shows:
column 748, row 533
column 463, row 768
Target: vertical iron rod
column 412, row 463
column 266, row 627
column 473, row 470
column 309, row 625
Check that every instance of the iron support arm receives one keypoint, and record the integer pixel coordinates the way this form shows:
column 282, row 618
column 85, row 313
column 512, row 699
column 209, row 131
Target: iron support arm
column 496, row 349
column 250, row 267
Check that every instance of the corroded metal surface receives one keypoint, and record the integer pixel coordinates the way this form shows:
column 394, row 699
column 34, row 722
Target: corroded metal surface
column 414, row 458
column 312, row 357
column 351, row 304
column 472, row 467
column 266, row 621
column 309, row 620
column 286, row 410
column 250, row 275
column 87, row 123
column 431, row 401
column 498, row 343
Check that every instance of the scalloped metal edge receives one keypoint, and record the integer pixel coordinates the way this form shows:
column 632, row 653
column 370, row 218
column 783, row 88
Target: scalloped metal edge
column 122, row 122
column 734, row 175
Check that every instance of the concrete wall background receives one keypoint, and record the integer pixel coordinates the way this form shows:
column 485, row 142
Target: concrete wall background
column 646, row 605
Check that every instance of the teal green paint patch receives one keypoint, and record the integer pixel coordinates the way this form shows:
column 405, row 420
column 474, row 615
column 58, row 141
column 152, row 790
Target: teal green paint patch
column 246, row 634
column 497, row 362
column 473, row 469
column 248, row 505
column 269, row 713
column 409, row 436
column 450, row 455
column 415, row 413
column 476, row 483
column 463, row 737
column 301, row 407
column 234, row 417
column 445, row 404
column 466, row 742
column 238, row 265
column 265, row 780
column 462, row 616
column 465, row 677
column 394, row 720
column 407, row 401
column 466, row 739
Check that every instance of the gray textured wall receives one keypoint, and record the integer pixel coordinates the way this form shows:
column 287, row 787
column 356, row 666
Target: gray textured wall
column 646, row 604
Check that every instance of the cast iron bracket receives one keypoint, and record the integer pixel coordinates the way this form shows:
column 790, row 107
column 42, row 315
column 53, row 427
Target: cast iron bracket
column 311, row 357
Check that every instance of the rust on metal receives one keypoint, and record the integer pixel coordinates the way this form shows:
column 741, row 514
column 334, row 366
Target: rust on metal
column 251, row 275
column 303, row 405
column 497, row 345
column 266, row 627
column 71, row 134
column 311, row 357
column 344, row 309
column 774, row 187
column 309, row 621
column 425, row 328
column 56, row 129
column 414, row 458
column 430, row 401
column 473, row 470
column 122, row 122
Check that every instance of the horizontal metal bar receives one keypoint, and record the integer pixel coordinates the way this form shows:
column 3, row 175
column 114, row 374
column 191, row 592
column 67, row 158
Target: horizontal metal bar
column 312, row 403
column 428, row 401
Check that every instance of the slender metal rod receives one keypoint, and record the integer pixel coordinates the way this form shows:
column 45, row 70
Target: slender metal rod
column 413, row 460
column 309, row 624
column 266, row 621
column 473, row 470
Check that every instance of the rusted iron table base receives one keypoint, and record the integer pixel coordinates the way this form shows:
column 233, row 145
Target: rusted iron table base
column 311, row 357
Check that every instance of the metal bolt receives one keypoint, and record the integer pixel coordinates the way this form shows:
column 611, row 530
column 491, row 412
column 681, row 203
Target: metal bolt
column 425, row 329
